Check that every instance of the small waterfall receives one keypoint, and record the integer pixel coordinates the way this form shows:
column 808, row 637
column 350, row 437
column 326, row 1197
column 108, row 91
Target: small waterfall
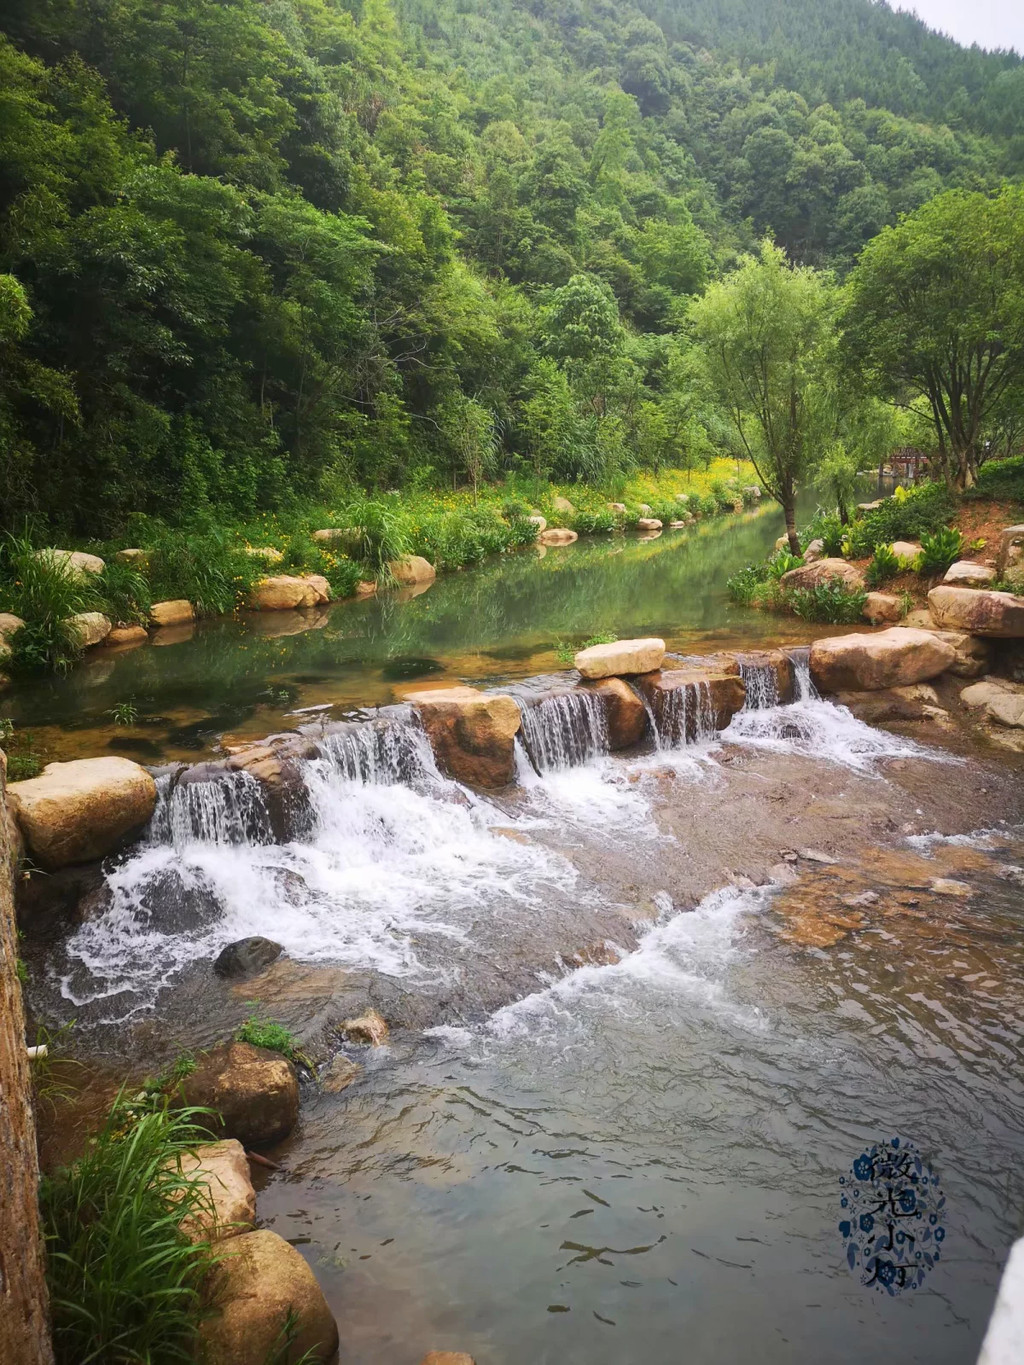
column 762, row 684
column 564, row 731
column 683, row 715
column 381, row 753
column 229, row 808
column 802, row 680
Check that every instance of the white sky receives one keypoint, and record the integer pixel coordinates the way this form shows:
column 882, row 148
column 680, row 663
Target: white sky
column 989, row 23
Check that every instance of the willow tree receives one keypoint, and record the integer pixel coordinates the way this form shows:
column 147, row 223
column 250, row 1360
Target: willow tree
column 768, row 336
column 935, row 310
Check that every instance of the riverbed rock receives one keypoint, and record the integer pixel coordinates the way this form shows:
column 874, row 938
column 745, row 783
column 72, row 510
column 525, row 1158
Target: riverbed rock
column 920, row 618
column 563, row 505
column 919, row 701
column 824, row 571
column 616, row 507
column 999, row 699
column 620, row 657
column 246, row 957
column 677, row 525
column 966, row 574
column 539, row 522
column 625, row 714
column 710, row 698
column 254, row 1091
column 231, row 1208
column 370, row 1027
column 814, row 551
column 90, row 627
column 412, row 570
column 648, row 524
column 557, row 535
column 121, row 636
column 472, row 733
column 973, row 654
column 891, row 658
column 979, row 611
column 254, row 1292
column 138, row 559
column 747, row 662
column 1011, row 549
column 906, row 551
column 79, row 811
column 176, row 612
column 284, row 592
column 339, row 1073
column 80, row 564
column 883, row 606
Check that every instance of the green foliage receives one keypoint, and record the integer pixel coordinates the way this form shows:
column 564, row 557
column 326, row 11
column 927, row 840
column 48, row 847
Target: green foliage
column 380, row 534
column 1002, row 478
column 885, row 564
column 588, row 521
column 566, row 652
column 925, row 508
column 746, row 585
column 22, row 760
column 939, row 549
column 831, row 601
column 783, row 562
column 125, row 594
column 260, row 1031
column 45, row 591
column 124, row 1279
column 208, row 568
column 124, row 713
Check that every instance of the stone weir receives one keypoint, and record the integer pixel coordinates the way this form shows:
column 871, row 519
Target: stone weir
column 623, row 695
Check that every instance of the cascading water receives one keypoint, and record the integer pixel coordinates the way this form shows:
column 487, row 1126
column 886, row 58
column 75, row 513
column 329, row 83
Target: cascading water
column 762, row 684
column 228, row 809
column 682, row 715
column 564, row 731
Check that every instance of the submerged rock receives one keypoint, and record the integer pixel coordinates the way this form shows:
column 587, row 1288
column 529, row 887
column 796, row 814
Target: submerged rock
column 623, row 656
column 247, row 957
column 472, row 733
column 230, row 1208
column 339, row 1074
column 122, row 636
column 370, row 1027
column 979, row 611
column 625, row 713
column 892, row 658
column 255, row 1291
column 79, row 811
column 254, row 1091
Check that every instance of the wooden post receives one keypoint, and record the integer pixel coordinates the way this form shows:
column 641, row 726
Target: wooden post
column 24, row 1324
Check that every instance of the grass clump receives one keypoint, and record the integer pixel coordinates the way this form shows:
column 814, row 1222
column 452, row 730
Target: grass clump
column 885, row 564
column 124, row 1279
column 260, row 1031
column 125, row 593
column 566, row 652
column 209, row 568
column 939, row 550
column 45, row 591
column 831, row 602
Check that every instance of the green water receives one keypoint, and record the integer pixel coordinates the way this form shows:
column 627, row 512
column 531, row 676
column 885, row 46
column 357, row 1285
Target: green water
column 249, row 675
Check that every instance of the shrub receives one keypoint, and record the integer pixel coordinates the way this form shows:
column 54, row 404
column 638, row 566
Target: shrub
column 303, row 554
column 521, row 532
column 44, row 592
column 745, row 585
column 208, row 568
column 587, row 521
column 1002, row 479
column 826, row 527
column 124, row 1279
column 830, row 601
column 925, row 508
column 885, row 564
column 125, row 592
column 783, row 562
column 939, row 550
column 381, row 534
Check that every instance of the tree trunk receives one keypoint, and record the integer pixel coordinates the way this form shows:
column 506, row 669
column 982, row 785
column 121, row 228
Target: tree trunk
column 789, row 509
column 24, row 1327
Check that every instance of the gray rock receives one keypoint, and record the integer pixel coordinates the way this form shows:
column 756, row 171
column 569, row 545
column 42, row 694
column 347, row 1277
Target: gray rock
column 247, row 957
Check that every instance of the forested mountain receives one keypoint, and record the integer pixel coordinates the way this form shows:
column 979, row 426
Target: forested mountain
column 252, row 251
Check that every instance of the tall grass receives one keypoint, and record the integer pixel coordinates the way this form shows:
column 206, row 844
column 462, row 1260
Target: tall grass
column 124, row 1279
column 45, row 592
column 209, row 568
column 125, row 592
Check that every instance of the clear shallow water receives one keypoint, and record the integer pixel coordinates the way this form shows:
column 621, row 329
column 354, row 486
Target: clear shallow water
column 263, row 672
column 641, row 1163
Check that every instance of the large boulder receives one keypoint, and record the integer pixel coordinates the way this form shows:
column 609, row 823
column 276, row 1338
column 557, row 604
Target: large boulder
column 748, row 664
column 258, row 1287
column 81, row 565
column 177, row 611
column 919, row 701
column 824, row 571
column 557, row 535
column 285, row 592
column 254, row 1091
column 1000, row 700
column 90, row 628
column 79, row 811
column 973, row 654
column 563, row 505
column 883, row 606
column 412, row 570
column 229, row 1207
column 620, row 657
column 890, row 658
column 472, row 733
column 648, row 524
column 979, row 611
column 708, row 697
column 966, row 574
column 625, row 714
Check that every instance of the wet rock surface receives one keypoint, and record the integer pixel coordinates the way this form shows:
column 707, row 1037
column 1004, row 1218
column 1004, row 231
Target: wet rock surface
column 255, row 1092
column 247, row 957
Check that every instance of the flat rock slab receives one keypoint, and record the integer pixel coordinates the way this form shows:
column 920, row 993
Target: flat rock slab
column 966, row 574
column 979, row 611
column 622, row 657
column 890, row 658
column 79, row 811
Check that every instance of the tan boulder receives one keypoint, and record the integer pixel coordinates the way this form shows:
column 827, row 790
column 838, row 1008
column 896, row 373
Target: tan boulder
column 814, row 551
column 254, row 1091
column 79, row 811
column 1001, row 701
column 966, row 574
column 260, row 1285
column 1011, row 541
column 127, row 635
column 320, row 586
column 973, row 654
column 366, row 587
column 708, row 697
column 230, row 1200
column 557, row 535
column 90, row 627
column 80, row 563
column 371, row 1027
column 644, row 507
column 677, row 525
column 882, row 606
column 648, row 524
column 906, row 551
column 916, row 702
column 745, row 663
column 625, row 714
column 824, row 571
column 620, row 657
column 283, row 592
column 412, row 570
column 138, row 559
column 176, row 612
column 921, row 618
column 9, row 623
column 979, row 611
column 616, row 507
column 891, row 658
column 472, row 733
column 563, row 505
column 539, row 522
